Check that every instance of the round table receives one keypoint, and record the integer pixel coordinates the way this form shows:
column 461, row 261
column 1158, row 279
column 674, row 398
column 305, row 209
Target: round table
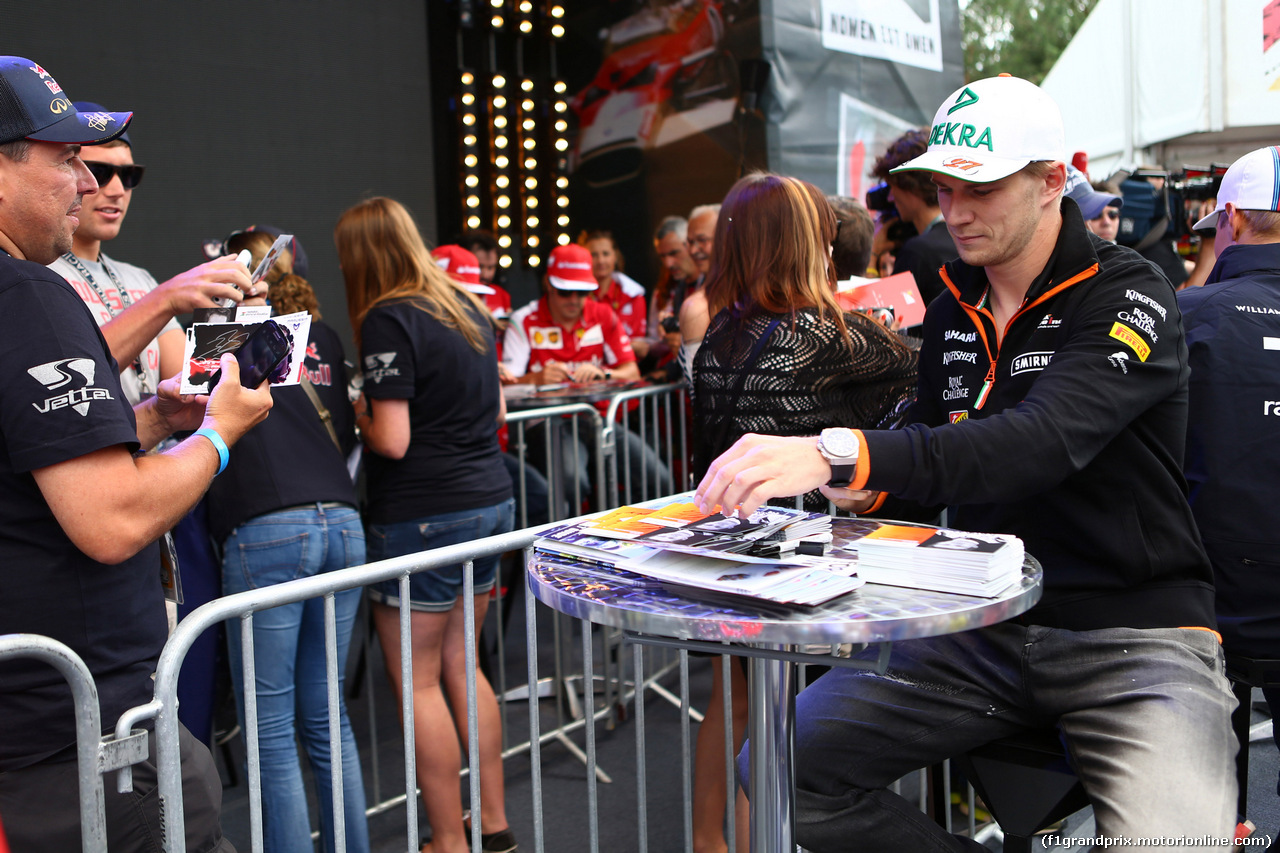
column 873, row 614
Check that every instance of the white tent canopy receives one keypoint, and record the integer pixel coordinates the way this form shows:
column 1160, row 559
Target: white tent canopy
column 1169, row 82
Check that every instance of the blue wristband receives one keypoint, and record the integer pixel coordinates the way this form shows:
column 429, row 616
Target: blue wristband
column 224, row 455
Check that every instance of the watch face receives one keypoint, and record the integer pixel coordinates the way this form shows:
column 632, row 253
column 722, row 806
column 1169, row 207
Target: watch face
column 839, row 442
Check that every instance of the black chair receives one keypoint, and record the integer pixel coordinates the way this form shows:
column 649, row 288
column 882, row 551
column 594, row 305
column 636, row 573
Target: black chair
column 1026, row 784
column 1247, row 673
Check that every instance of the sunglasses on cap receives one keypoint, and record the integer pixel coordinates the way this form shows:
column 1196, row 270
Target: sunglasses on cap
column 130, row 175
column 1109, row 213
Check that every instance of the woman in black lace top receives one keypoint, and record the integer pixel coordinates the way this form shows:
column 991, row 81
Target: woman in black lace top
column 780, row 357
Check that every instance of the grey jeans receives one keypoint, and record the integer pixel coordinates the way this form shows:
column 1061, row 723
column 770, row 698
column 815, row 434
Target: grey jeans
column 1145, row 715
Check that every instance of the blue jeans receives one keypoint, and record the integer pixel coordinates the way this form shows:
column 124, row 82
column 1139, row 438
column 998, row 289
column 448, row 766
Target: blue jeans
column 436, row 590
column 1145, row 715
column 289, row 666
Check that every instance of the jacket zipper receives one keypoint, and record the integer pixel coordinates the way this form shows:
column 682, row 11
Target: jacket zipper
column 985, row 391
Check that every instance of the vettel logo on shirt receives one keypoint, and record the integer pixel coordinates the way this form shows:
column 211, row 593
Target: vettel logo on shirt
column 59, row 374
column 377, row 366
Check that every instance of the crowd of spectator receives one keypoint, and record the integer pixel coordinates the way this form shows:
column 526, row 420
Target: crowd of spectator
column 1016, row 252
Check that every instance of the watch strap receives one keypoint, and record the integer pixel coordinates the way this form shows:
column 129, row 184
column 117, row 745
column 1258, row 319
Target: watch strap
column 841, row 475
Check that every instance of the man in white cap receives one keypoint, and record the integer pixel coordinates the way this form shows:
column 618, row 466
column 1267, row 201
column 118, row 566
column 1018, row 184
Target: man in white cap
column 1233, row 449
column 80, row 509
column 1051, row 405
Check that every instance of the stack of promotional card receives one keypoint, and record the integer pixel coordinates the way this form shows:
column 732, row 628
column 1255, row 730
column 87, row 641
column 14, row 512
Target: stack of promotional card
column 981, row 564
column 774, row 555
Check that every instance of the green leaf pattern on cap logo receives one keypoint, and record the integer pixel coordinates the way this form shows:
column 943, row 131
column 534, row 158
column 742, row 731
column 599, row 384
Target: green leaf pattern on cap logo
column 967, row 98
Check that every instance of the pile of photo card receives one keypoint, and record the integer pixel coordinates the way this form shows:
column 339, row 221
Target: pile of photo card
column 981, row 564
column 710, row 555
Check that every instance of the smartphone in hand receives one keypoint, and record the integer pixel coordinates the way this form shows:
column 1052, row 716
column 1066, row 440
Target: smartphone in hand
column 260, row 355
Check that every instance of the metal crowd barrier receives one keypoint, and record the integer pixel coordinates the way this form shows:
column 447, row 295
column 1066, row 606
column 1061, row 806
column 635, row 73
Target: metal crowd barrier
column 95, row 754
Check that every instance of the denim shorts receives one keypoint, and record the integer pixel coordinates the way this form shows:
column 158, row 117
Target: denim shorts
column 436, row 590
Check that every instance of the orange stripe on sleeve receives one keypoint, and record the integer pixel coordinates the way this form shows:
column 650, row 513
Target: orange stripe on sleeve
column 863, row 469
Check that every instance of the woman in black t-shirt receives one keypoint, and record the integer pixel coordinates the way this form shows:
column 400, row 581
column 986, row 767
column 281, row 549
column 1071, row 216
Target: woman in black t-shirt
column 436, row 477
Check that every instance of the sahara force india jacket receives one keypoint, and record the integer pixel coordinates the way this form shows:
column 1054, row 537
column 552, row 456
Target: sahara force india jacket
column 1069, row 433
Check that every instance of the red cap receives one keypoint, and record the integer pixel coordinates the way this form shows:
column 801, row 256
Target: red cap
column 462, row 267
column 570, row 268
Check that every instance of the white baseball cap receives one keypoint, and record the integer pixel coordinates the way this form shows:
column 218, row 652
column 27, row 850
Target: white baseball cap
column 990, row 129
column 1252, row 183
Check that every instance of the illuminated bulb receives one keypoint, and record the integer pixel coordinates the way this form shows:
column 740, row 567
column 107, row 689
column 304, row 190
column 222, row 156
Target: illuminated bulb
column 560, row 87
column 501, row 161
column 561, row 125
column 500, row 141
column 561, row 106
column 526, row 6
column 526, row 27
column 473, row 221
column 562, row 182
column 532, row 242
column 529, row 124
column 497, row 4
column 499, row 102
column 497, row 22
column 562, row 144
column 527, row 105
column 563, row 239
column 562, row 201
column 505, row 241
column 563, row 221
column 469, row 139
column 468, row 99
column 468, row 78
column 504, row 221
column 473, row 201
column 527, row 85
column 470, row 161
column 532, row 222
column 504, row 202
column 530, row 163
column 501, row 182
column 531, row 183
column 557, row 11
column 530, row 143
column 505, row 261
column 499, row 122
column 533, row 260
column 468, row 119
column 557, row 30
column 499, row 81
column 531, row 202
column 472, row 181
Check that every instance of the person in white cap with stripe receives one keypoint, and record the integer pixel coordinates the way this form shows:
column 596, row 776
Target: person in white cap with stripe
column 1233, row 432
column 1051, row 405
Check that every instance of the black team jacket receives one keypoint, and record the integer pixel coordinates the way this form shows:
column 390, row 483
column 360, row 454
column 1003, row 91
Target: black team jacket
column 1068, row 434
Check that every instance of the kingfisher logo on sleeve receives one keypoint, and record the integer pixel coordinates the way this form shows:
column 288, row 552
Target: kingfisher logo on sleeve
column 55, row 375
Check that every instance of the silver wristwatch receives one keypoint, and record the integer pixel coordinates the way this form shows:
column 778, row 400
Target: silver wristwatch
column 840, row 447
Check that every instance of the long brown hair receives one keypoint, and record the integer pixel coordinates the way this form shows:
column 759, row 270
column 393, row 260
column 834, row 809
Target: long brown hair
column 771, row 250
column 383, row 259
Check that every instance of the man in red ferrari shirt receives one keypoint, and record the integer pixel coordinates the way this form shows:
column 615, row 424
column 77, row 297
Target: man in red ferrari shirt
column 564, row 336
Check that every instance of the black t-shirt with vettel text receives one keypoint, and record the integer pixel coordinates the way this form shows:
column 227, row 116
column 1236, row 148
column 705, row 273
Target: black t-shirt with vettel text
column 60, row 400
column 453, row 462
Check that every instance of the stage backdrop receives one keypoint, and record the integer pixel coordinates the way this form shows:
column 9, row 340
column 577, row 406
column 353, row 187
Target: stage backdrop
column 246, row 112
column 675, row 99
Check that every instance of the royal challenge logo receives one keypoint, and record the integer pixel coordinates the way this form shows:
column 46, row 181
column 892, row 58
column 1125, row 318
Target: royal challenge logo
column 75, row 375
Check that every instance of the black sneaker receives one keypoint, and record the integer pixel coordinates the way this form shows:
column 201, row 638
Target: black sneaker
column 498, row 842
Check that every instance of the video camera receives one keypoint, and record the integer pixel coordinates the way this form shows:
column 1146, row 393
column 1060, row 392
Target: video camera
column 878, row 201
column 1176, row 203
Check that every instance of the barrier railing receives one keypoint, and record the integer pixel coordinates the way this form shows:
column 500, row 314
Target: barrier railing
column 95, row 754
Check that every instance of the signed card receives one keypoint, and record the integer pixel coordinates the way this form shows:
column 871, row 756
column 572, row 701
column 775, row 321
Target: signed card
column 206, row 342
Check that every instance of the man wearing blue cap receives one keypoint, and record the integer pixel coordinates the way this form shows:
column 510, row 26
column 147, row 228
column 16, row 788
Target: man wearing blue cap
column 1052, row 405
column 79, row 512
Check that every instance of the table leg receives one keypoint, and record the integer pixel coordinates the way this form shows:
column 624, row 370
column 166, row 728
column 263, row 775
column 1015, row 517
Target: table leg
column 772, row 736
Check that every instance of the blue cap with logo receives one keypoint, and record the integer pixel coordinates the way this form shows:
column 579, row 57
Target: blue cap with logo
column 33, row 106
